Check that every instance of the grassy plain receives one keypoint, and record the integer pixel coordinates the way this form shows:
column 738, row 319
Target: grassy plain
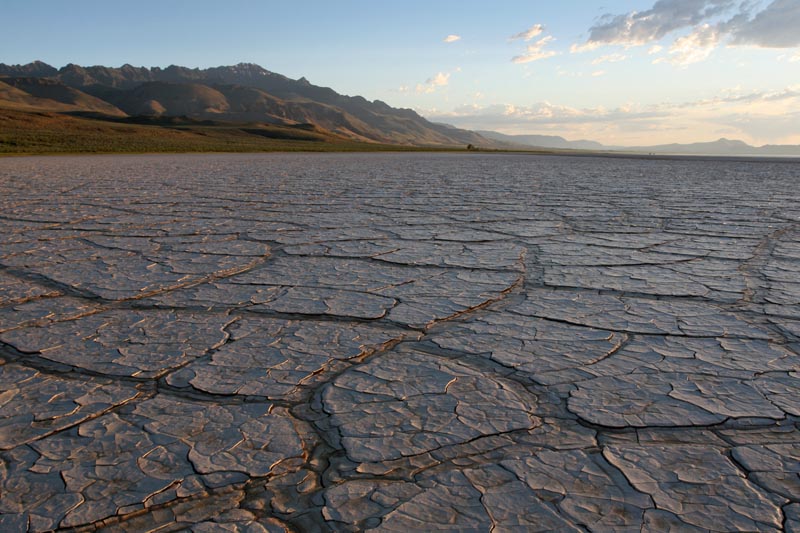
column 46, row 132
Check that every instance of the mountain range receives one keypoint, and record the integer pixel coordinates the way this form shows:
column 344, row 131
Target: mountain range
column 238, row 93
column 247, row 93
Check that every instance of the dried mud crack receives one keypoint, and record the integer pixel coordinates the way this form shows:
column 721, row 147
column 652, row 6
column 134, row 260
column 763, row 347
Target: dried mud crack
column 398, row 342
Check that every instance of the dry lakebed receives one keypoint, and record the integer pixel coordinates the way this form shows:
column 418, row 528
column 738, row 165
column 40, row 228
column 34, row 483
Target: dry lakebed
column 399, row 342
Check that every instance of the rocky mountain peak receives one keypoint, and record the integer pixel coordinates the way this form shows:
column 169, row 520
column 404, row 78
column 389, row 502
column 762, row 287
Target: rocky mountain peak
column 36, row 69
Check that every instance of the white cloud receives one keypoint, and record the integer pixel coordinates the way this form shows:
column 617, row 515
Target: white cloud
column 598, row 73
column 528, row 34
column 585, row 47
column 561, row 71
column 692, row 48
column 441, row 79
column 795, row 58
column 452, row 38
column 610, row 58
column 736, row 96
column 656, row 48
column 536, row 51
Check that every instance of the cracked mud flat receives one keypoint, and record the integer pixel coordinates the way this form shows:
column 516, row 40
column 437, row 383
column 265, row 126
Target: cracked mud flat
column 401, row 342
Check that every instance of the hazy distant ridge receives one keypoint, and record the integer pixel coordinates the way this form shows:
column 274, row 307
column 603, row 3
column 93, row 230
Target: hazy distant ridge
column 542, row 141
column 722, row 146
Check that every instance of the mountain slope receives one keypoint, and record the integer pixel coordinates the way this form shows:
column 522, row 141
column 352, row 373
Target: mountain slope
column 45, row 93
column 10, row 96
column 171, row 99
column 45, row 88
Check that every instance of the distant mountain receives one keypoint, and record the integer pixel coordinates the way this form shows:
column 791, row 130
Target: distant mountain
column 780, row 150
column 720, row 147
column 542, row 141
column 243, row 92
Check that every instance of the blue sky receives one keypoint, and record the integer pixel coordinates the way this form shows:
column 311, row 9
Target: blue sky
column 624, row 72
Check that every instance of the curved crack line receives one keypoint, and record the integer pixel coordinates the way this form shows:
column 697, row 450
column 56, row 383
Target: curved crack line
column 750, row 267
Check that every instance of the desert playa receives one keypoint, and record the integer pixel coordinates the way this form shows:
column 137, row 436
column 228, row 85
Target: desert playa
column 342, row 342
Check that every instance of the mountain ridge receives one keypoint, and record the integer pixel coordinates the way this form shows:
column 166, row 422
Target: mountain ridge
column 243, row 92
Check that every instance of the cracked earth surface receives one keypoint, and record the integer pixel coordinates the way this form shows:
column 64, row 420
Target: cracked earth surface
column 399, row 342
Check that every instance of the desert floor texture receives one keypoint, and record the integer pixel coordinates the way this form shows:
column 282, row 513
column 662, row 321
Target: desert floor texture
column 399, row 342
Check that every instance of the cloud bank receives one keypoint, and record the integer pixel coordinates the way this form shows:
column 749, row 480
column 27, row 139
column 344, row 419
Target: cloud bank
column 758, row 117
column 777, row 26
column 666, row 16
column 710, row 23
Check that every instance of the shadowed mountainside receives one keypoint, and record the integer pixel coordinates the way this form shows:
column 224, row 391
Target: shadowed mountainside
column 41, row 92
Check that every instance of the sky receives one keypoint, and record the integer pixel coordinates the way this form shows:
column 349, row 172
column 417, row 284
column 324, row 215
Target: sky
column 621, row 72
